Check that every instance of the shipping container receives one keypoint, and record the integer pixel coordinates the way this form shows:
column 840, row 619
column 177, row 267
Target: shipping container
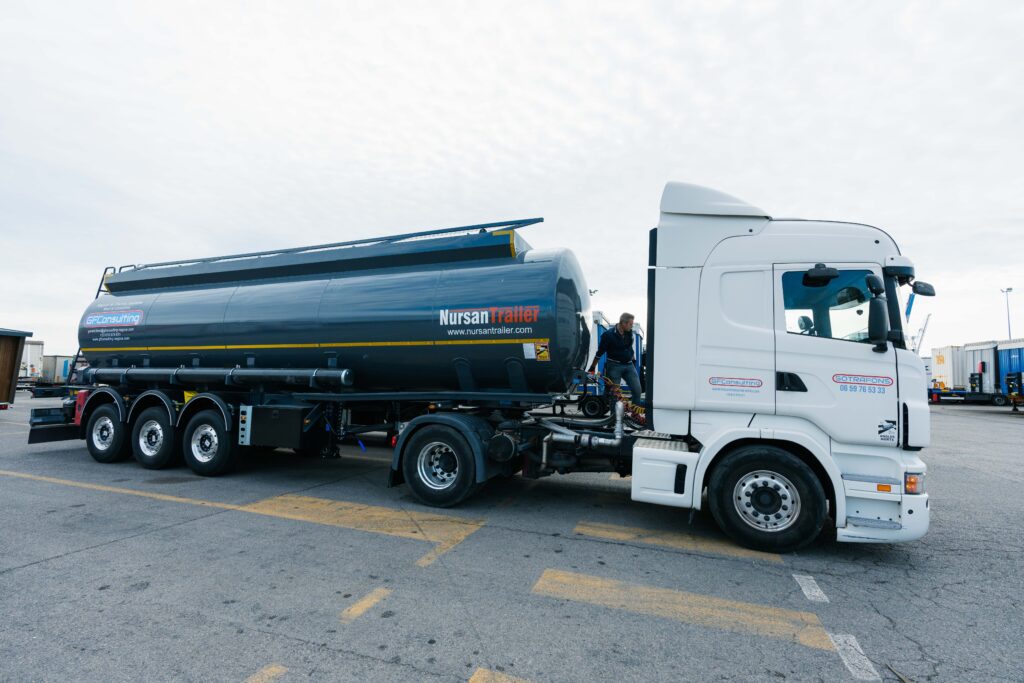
column 980, row 360
column 948, row 367
column 1011, row 360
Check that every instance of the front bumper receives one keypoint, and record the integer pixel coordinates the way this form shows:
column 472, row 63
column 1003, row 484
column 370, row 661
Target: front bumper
column 885, row 518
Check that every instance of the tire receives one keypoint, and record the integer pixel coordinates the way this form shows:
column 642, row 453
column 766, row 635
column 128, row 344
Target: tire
column 106, row 436
column 448, row 472
column 207, row 446
column 593, row 407
column 750, row 487
column 154, row 439
column 999, row 400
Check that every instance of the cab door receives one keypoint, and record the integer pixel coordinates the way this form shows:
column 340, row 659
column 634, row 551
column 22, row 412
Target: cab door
column 826, row 369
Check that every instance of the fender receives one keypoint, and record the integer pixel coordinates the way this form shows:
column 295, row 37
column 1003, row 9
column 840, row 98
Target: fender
column 140, row 400
column 98, row 397
column 474, row 429
column 190, row 408
column 817, row 448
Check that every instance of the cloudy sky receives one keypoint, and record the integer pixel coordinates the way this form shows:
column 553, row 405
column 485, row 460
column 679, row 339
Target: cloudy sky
column 134, row 132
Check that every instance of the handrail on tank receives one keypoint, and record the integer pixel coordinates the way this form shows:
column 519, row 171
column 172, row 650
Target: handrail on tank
column 481, row 227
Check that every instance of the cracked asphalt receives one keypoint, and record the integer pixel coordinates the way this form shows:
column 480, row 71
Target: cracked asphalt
column 304, row 569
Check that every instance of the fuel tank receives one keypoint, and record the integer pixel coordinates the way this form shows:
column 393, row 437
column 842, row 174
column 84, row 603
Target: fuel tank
column 475, row 312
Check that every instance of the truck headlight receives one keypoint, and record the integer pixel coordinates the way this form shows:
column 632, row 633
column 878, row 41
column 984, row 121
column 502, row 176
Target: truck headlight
column 913, row 482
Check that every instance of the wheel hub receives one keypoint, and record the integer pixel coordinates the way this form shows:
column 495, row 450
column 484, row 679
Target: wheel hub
column 766, row 501
column 103, row 433
column 204, row 443
column 437, row 466
column 151, row 438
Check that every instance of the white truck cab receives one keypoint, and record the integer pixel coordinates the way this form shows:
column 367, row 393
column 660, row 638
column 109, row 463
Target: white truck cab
column 776, row 348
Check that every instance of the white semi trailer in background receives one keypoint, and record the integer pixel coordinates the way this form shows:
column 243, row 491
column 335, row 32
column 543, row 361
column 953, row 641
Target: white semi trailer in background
column 779, row 381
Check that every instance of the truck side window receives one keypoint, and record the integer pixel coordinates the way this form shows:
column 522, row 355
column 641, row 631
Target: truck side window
column 838, row 310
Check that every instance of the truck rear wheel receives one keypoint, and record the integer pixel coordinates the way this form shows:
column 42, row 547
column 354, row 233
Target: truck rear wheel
column 766, row 498
column 439, row 466
column 153, row 439
column 207, row 445
column 106, row 436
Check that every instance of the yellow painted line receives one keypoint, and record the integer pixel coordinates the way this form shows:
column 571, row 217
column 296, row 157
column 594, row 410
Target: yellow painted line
column 488, row 676
column 617, row 477
column 444, row 531
column 803, row 628
column 321, row 345
column 118, row 489
column 271, row 672
column 672, row 539
column 363, row 605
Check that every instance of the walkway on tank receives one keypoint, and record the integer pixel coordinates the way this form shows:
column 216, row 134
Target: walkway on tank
column 302, row 568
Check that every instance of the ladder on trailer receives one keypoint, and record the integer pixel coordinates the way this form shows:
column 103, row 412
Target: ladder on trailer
column 107, row 272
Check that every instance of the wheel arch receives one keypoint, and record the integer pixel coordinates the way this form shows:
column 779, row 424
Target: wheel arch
column 149, row 399
column 472, row 428
column 804, row 449
column 100, row 397
column 205, row 401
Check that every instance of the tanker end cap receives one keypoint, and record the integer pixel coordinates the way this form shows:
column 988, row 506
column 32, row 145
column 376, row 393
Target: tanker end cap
column 696, row 200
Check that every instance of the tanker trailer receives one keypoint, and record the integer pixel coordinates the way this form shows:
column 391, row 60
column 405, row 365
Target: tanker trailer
column 301, row 348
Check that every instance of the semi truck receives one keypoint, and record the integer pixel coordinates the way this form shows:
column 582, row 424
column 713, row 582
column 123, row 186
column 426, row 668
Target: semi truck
column 780, row 390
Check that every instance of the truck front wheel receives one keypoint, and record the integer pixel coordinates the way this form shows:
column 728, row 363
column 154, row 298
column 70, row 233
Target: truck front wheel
column 438, row 465
column 766, row 498
column 207, row 445
column 106, row 436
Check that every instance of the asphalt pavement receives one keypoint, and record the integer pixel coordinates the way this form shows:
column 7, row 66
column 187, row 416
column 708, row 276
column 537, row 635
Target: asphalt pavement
column 306, row 569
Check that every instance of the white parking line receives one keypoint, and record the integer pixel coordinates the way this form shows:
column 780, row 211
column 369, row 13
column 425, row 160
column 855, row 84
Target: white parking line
column 810, row 588
column 853, row 657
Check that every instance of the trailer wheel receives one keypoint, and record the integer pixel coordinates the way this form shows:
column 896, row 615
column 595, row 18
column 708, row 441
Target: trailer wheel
column 207, row 445
column 999, row 400
column 106, row 436
column 766, row 498
column 154, row 439
column 438, row 465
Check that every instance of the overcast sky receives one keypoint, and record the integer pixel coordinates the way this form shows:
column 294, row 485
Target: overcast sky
column 132, row 133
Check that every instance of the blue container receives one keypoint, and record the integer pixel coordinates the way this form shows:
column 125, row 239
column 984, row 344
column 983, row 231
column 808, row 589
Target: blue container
column 1011, row 359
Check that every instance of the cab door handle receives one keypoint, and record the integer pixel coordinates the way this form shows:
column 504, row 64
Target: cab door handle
column 789, row 381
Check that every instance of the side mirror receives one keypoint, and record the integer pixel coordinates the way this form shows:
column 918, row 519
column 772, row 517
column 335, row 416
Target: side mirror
column 819, row 276
column 923, row 289
column 875, row 285
column 878, row 323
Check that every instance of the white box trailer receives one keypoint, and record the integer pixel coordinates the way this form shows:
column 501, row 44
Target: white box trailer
column 31, row 360
column 55, row 369
column 948, row 368
column 968, row 373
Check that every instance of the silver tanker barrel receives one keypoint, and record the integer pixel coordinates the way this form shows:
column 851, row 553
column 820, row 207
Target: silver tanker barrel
column 470, row 309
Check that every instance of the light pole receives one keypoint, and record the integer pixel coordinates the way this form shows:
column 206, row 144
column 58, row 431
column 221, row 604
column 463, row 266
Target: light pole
column 1009, row 335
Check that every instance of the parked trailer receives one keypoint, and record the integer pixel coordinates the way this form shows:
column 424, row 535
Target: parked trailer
column 779, row 379
column 969, row 373
column 12, row 344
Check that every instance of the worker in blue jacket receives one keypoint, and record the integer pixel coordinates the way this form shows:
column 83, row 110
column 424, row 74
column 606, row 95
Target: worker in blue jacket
column 617, row 343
